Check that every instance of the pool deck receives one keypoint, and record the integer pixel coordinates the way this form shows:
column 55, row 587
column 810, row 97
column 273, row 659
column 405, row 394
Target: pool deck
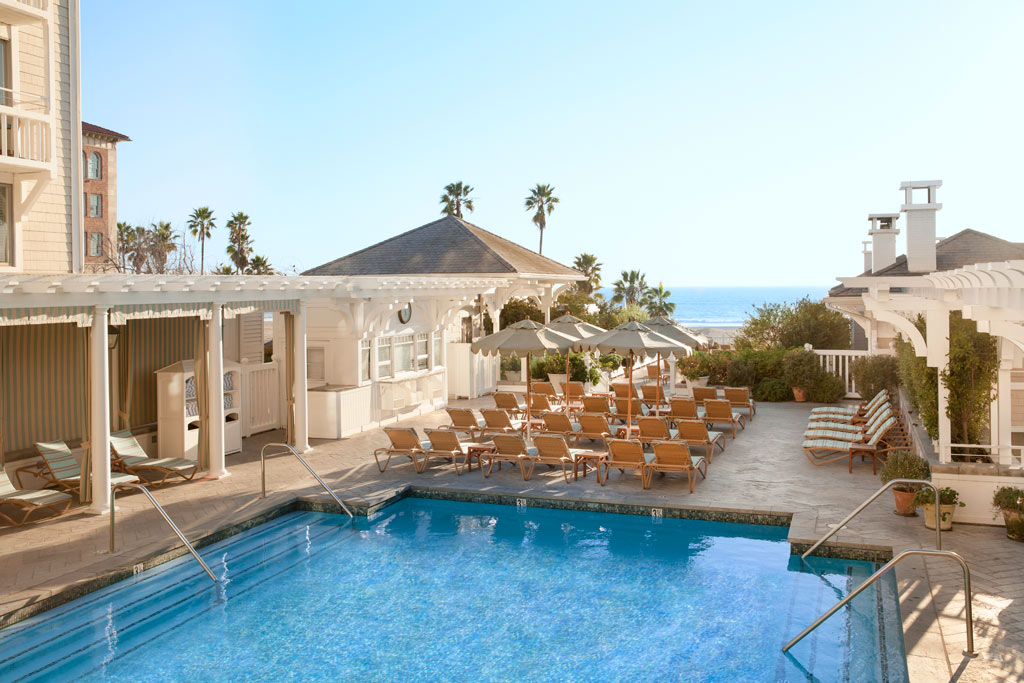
column 762, row 471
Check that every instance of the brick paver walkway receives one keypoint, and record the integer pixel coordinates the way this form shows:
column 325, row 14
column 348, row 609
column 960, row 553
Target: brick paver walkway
column 762, row 470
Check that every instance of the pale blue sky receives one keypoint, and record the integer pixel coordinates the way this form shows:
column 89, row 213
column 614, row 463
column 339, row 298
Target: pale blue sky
column 704, row 143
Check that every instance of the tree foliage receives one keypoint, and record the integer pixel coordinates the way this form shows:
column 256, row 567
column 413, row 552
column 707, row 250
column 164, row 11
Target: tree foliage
column 541, row 201
column 657, row 301
column 520, row 309
column 773, row 325
column 589, row 266
column 455, row 197
column 972, row 372
column 630, row 288
column 201, row 224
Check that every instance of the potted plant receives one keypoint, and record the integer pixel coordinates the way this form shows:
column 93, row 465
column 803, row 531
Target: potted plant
column 949, row 501
column 696, row 369
column 904, row 465
column 801, row 369
column 1010, row 501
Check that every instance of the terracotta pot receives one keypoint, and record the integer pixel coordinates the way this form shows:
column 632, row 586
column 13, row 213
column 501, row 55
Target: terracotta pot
column 904, row 503
column 799, row 395
column 945, row 511
column 1014, row 524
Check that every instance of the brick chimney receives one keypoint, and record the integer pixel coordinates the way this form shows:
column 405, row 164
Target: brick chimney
column 883, row 233
column 921, row 224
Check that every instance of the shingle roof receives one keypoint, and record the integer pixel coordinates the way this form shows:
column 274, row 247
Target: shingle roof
column 105, row 132
column 965, row 248
column 448, row 245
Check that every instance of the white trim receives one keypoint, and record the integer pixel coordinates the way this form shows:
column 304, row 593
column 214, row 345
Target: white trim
column 77, row 214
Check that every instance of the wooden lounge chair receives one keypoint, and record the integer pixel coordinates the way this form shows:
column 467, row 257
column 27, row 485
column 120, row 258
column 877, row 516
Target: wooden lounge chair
column 654, row 397
column 860, row 413
column 846, row 432
column 553, row 450
column 720, row 412
column 684, row 409
column 547, row 389
column 855, row 420
column 540, row 404
column 404, row 442
column 498, row 422
column 445, row 445
column 464, row 421
column 28, row 501
column 62, row 469
column 127, row 456
column 559, row 423
column 740, row 398
column 886, row 438
column 593, row 426
column 624, row 390
column 626, row 455
column 507, row 401
column 861, row 408
column 651, row 429
column 675, row 456
column 573, row 394
column 596, row 405
column 702, row 394
column 656, row 374
column 622, row 405
column 512, row 448
column 696, row 433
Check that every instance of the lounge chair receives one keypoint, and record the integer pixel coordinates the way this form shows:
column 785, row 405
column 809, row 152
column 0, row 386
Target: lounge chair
column 547, row 389
column 559, row 423
column 740, row 398
column 498, row 422
column 573, row 394
column 552, row 449
column 29, row 500
column 404, row 442
column 626, row 455
column 859, row 408
column 623, row 390
column 651, row 429
column 597, row 405
column 886, row 438
column 675, row 456
column 702, row 394
column 655, row 374
column 720, row 412
column 127, row 455
column 861, row 412
column 593, row 426
column 844, row 431
column 445, row 445
column 512, row 448
column 507, row 401
column 654, row 397
column 684, row 409
column 62, row 469
column 540, row 404
column 696, row 433
column 851, row 420
column 635, row 412
column 464, row 421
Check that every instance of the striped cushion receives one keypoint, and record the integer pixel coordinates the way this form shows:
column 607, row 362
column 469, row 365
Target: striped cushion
column 838, row 426
column 832, row 434
column 166, row 463
column 59, row 459
column 829, row 444
column 35, row 497
column 835, row 409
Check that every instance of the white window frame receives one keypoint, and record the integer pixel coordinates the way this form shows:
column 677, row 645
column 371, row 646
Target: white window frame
column 319, row 348
column 436, row 348
column 99, row 198
column 97, row 238
column 403, row 340
column 384, row 344
column 421, row 361
column 7, row 254
column 365, row 361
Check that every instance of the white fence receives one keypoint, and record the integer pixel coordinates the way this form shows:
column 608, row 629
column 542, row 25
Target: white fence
column 838, row 362
column 260, row 400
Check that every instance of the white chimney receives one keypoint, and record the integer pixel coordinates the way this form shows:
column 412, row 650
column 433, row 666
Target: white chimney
column 867, row 255
column 921, row 224
column 883, row 233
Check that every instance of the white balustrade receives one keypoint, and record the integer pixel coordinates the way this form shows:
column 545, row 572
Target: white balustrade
column 260, row 395
column 24, row 135
column 837, row 362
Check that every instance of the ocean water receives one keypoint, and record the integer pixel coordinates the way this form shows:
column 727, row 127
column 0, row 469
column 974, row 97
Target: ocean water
column 729, row 306
column 442, row 591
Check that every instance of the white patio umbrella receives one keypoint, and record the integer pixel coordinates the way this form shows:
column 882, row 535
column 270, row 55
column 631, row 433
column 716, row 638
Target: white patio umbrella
column 524, row 338
column 667, row 327
column 634, row 339
column 572, row 326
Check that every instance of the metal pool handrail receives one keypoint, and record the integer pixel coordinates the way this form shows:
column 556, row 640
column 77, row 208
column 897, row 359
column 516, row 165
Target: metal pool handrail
column 263, row 473
column 860, row 508
column 878, row 574
column 163, row 513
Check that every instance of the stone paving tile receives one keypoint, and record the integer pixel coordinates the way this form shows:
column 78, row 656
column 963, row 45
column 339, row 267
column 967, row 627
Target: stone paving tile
column 763, row 469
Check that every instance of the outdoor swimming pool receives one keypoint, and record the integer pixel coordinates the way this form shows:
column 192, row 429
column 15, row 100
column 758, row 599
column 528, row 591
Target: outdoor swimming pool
column 436, row 590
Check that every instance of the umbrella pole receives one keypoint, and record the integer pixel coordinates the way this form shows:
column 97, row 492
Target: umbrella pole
column 657, row 397
column 529, row 413
column 565, row 392
column 629, row 401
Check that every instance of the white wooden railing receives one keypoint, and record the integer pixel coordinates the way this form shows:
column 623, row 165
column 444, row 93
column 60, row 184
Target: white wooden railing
column 24, row 135
column 38, row 4
column 837, row 362
column 260, row 402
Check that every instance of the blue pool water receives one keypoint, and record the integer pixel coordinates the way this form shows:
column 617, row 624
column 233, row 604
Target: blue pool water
column 443, row 591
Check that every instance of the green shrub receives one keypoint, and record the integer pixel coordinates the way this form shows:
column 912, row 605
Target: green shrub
column 695, row 366
column 871, row 374
column 578, row 370
column 740, row 373
column 801, row 369
column 947, row 496
column 767, row 362
column 905, row 465
column 781, row 325
column 1008, row 498
column 920, row 382
column 539, row 369
column 773, row 390
column 610, row 362
column 827, row 388
column 511, row 363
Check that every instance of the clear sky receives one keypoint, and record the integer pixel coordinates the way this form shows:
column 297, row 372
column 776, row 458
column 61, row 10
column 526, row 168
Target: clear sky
column 703, row 143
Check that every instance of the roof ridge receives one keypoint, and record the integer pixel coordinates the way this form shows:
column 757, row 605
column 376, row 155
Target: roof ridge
column 514, row 244
column 374, row 245
column 467, row 226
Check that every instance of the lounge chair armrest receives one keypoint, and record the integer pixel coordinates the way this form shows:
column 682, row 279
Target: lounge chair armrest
column 35, row 470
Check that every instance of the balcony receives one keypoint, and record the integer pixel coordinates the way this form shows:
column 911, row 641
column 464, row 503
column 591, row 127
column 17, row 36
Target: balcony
column 20, row 12
column 26, row 143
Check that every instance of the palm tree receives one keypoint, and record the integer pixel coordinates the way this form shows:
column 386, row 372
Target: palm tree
column 456, row 196
column 138, row 243
column 239, row 241
column 124, row 238
column 630, row 288
column 588, row 265
column 223, row 269
column 259, row 265
column 658, row 303
column 161, row 242
column 541, row 201
column 200, row 224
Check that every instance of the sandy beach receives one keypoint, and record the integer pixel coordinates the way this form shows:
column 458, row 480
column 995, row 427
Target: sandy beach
column 722, row 335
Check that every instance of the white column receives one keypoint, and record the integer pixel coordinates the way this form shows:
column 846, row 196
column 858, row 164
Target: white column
column 301, row 399
column 938, row 357
column 1002, row 425
column 215, row 393
column 99, row 412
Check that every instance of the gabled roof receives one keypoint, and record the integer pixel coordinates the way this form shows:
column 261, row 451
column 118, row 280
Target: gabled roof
column 104, row 132
column 965, row 248
column 446, row 246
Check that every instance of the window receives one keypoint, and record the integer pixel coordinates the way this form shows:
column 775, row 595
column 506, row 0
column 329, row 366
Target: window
column 422, row 351
column 95, row 244
column 383, row 359
column 5, row 224
column 404, row 353
column 5, row 72
column 95, row 168
column 95, row 206
column 438, row 340
column 316, row 366
column 364, row 360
